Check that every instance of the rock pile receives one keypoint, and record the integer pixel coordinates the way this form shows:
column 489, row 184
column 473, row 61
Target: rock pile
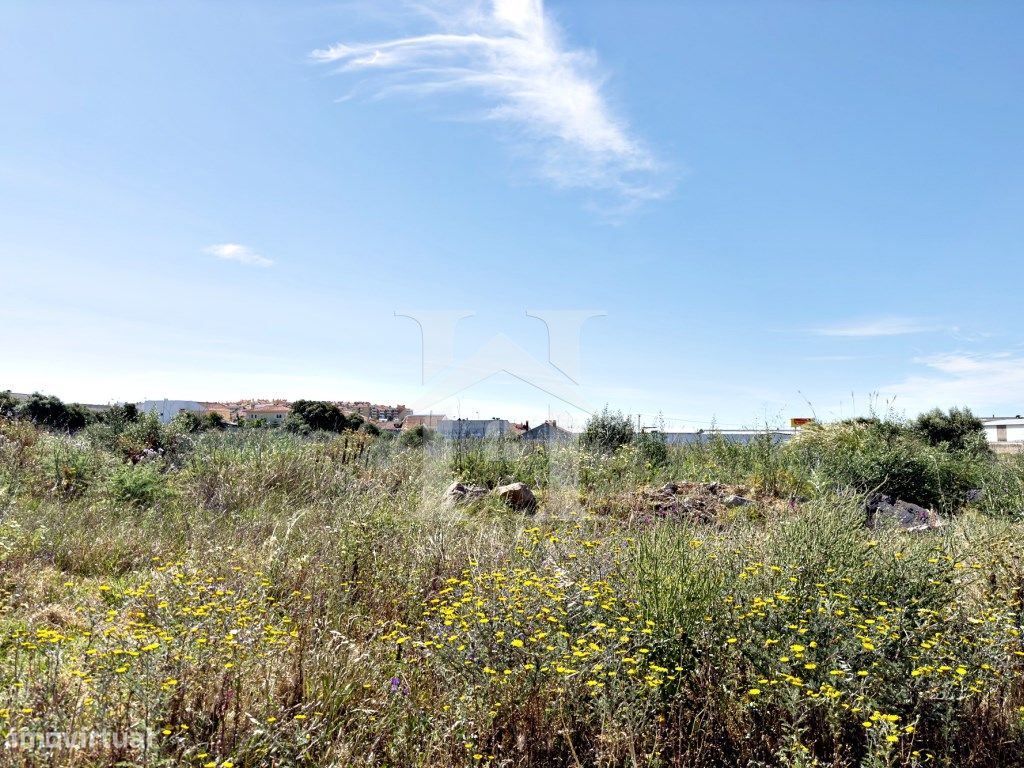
column 886, row 512
column 702, row 502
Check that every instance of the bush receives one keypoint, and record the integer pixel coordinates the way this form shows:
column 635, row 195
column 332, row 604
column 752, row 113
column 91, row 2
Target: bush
column 8, row 404
column 369, row 428
column 320, row 415
column 959, row 429
column 51, row 412
column 187, row 421
column 296, row 425
column 119, row 416
column 192, row 423
column 884, row 456
column 651, row 448
column 213, row 420
column 138, row 485
column 68, row 466
column 606, row 432
column 417, row 437
column 147, row 438
column 494, row 463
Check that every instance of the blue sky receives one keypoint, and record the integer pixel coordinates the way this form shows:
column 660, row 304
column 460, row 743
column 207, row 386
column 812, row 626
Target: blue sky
column 780, row 206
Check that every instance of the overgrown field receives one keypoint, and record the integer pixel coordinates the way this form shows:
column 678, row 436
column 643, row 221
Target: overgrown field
column 260, row 598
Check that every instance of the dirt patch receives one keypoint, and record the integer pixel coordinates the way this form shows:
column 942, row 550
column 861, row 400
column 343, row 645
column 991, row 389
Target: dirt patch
column 707, row 503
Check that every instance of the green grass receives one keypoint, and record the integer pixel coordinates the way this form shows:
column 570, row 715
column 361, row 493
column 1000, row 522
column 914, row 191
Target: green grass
column 258, row 598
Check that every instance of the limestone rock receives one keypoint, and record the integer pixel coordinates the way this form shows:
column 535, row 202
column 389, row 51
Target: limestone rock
column 459, row 493
column 517, row 495
column 732, row 500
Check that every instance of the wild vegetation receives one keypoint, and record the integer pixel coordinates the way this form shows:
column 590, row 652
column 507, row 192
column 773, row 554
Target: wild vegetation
column 304, row 598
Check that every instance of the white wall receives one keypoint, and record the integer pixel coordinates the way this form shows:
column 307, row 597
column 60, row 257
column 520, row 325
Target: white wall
column 1014, row 432
column 168, row 409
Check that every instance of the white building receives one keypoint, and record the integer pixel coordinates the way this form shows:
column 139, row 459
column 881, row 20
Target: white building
column 166, row 410
column 272, row 414
column 1004, row 429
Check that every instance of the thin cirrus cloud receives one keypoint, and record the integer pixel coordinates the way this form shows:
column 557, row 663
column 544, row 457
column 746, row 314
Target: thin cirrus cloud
column 883, row 326
column 988, row 383
column 512, row 56
column 243, row 254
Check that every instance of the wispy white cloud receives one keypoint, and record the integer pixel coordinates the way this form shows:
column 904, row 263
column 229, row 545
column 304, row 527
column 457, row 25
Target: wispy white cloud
column 243, row 254
column 882, row 326
column 512, row 55
column 988, row 383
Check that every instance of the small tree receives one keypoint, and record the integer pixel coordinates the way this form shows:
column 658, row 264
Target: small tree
column 417, row 437
column 119, row 416
column 369, row 428
column 320, row 415
column 52, row 412
column 187, row 421
column 959, row 429
column 213, row 420
column 651, row 448
column 8, row 404
column 296, row 425
column 606, row 431
column 144, row 434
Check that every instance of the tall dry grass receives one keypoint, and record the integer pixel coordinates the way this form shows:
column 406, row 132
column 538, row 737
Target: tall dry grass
column 266, row 599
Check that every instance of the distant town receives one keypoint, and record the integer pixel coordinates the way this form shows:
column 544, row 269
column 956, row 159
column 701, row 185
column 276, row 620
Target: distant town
column 386, row 418
column 1002, row 432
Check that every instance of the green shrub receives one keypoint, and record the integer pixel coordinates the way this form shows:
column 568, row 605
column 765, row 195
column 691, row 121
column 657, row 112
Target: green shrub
column 606, row 431
column 188, row 422
column 959, row 429
column 119, row 416
column 417, row 437
column 296, row 425
column 369, row 428
column 866, row 456
column 651, row 448
column 69, row 466
column 51, row 412
column 494, row 462
column 138, row 485
column 214, row 420
column 147, row 438
column 8, row 405
column 322, row 416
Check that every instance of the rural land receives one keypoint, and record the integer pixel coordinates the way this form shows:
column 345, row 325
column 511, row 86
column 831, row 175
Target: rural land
column 511, row 384
column 321, row 593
